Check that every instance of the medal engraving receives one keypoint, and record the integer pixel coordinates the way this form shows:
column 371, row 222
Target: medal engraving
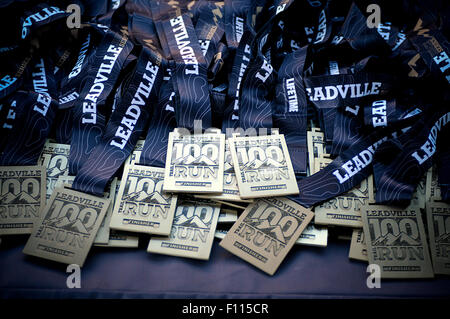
column 195, row 163
column 263, row 167
column 141, row 205
column 22, row 196
column 396, row 241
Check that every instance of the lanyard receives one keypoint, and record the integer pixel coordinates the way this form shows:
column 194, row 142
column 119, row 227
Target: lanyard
column 126, row 124
column 89, row 115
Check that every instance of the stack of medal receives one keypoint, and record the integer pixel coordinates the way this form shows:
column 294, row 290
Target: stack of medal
column 180, row 206
column 147, row 201
column 54, row 227
column 396, row 239
column 271, row 224
column 241, row 182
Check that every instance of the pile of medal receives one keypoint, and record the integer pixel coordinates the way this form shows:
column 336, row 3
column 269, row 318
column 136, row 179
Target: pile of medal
column 261, row 123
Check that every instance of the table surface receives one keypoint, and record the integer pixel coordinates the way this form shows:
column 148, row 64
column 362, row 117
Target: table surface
column 307, row 272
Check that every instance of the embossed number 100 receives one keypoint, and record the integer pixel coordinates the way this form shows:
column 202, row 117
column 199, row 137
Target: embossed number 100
column 72, row 212
column 274, row 216
column 389, row 225
column 135, row 185
column 256, row 152
column 210, row 150
column 204, row 213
